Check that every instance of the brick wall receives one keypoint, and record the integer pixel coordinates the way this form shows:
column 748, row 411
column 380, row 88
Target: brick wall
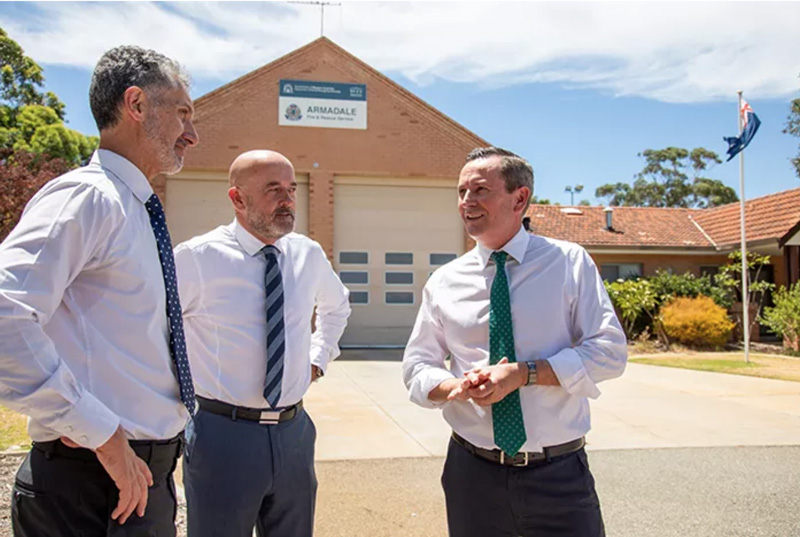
column 679, row 264
column 405, row 137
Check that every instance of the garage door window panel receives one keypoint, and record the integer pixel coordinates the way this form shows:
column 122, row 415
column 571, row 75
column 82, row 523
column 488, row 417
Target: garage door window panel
column 353, row 258
column 399, row 278
column 354, row 276
column 399, row 258
column 359, row 298
column 440, row 259
column 399, row 297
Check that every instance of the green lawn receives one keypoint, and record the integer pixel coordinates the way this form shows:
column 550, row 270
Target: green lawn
column 760, row 365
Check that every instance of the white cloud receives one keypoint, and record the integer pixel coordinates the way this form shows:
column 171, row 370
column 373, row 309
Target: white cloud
column 681, row 52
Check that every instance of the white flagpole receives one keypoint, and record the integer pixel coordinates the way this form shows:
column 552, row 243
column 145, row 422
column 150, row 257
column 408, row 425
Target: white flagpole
column 745, row 298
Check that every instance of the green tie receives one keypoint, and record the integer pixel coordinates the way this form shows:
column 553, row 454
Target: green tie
column 509, row 428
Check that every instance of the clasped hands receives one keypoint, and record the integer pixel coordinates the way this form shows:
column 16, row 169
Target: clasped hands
column 490, row 384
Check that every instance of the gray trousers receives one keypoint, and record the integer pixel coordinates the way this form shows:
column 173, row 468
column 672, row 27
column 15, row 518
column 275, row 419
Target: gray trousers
column 241, row 474
column 546, row 499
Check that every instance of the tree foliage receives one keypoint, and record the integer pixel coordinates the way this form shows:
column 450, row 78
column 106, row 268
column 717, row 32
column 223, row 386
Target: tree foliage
column 21, row 174
column 793, row 128
column 30, row 119
column 665, row 181
column 730, row 280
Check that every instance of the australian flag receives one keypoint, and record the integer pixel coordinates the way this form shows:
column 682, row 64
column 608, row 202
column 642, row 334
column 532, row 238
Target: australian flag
column 751, row 124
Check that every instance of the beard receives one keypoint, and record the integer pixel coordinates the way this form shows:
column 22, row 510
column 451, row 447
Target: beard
column 168, row 160
column 273, row 226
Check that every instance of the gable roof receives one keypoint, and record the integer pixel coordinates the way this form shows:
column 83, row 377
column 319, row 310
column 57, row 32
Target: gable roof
column 245, row 114
column 773, row 217
column 768, row 217
column 632, row 226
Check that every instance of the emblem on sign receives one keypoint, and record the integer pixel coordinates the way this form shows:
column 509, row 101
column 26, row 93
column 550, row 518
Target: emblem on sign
column 293, row 113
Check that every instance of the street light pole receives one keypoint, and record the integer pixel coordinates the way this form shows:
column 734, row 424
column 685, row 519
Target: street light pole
column 572, row 191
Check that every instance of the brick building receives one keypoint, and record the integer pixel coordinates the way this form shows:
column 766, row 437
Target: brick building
column 381, row 200
column 637, row 241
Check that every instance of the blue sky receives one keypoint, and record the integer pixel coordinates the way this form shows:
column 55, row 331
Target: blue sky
column 577, row 89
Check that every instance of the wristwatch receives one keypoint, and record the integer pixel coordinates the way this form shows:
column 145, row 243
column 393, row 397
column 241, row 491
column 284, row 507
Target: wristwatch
column 318, row 370
column 531, row 373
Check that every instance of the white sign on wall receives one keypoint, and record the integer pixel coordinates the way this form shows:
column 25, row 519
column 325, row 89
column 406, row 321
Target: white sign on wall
column 306, row 103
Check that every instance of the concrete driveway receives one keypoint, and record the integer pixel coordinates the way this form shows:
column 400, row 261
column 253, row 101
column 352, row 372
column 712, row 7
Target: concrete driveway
column 380, row 456
column 362, row 411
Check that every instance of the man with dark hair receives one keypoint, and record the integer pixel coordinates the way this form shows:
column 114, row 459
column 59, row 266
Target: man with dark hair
column 530, row 331
column 91, row 336
column 249, row 292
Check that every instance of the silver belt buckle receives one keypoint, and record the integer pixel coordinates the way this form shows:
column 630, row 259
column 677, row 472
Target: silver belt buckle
column 523, row 463
column 269, row 417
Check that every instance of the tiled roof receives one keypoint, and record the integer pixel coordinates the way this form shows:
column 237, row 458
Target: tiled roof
column 768, row 217
column 633, row 226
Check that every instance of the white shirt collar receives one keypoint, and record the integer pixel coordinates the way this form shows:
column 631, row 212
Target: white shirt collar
column 125, row 171
column 516, row 248
column 249, row 242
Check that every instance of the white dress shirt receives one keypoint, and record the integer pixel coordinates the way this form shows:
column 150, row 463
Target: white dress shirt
column 560, row 312
column 221, row 283
column 83, row 327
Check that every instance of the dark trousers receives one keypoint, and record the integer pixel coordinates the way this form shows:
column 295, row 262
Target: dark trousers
column 240, row 474
column 546, row 499
column 65, row 492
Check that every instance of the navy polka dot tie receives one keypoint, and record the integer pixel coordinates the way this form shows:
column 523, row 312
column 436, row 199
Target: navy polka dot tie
column 276, row 344
column 507, row 422
column 177, row 340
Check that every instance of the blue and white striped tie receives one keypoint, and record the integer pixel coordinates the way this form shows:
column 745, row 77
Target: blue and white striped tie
column 275, row 329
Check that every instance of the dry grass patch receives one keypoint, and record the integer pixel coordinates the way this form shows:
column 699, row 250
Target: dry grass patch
column 761, row 365
column 13, row 430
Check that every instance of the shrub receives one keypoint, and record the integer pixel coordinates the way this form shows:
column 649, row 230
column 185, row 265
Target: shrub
column 697, row 322
column 668, row 286
column 784, row 318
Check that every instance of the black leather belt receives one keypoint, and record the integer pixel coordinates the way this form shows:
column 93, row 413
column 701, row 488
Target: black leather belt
column 267, row 416
column 522, row 458
column 147, row 450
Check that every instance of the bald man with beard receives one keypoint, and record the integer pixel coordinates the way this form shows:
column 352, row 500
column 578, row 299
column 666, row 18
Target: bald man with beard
column 248, row 291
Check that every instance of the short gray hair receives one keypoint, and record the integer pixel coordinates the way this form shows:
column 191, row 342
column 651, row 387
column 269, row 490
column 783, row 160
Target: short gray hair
column 515, row 170
column 123, row 67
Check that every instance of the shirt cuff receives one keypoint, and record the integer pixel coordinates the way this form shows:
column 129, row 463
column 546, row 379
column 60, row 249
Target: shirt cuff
column 568, row 367
column 424, row 383
column 320, row 357
column 88, row 423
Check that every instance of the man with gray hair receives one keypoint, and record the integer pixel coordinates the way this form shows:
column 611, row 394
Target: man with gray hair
column 91, row 336
column 530, row 331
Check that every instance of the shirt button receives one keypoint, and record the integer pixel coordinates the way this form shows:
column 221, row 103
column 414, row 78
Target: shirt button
column 69, row 428
column 84, row 438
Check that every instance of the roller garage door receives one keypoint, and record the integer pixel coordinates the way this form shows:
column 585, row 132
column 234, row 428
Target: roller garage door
column 198, row 202
column 389, row 235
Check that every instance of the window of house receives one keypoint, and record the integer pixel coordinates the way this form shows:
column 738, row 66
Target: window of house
column 353, row 258
column 710, row 270
column 615, row 271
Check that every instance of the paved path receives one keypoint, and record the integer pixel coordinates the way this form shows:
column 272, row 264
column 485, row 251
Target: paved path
column 362, row 411
column 380, row 457
column 680, row 492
